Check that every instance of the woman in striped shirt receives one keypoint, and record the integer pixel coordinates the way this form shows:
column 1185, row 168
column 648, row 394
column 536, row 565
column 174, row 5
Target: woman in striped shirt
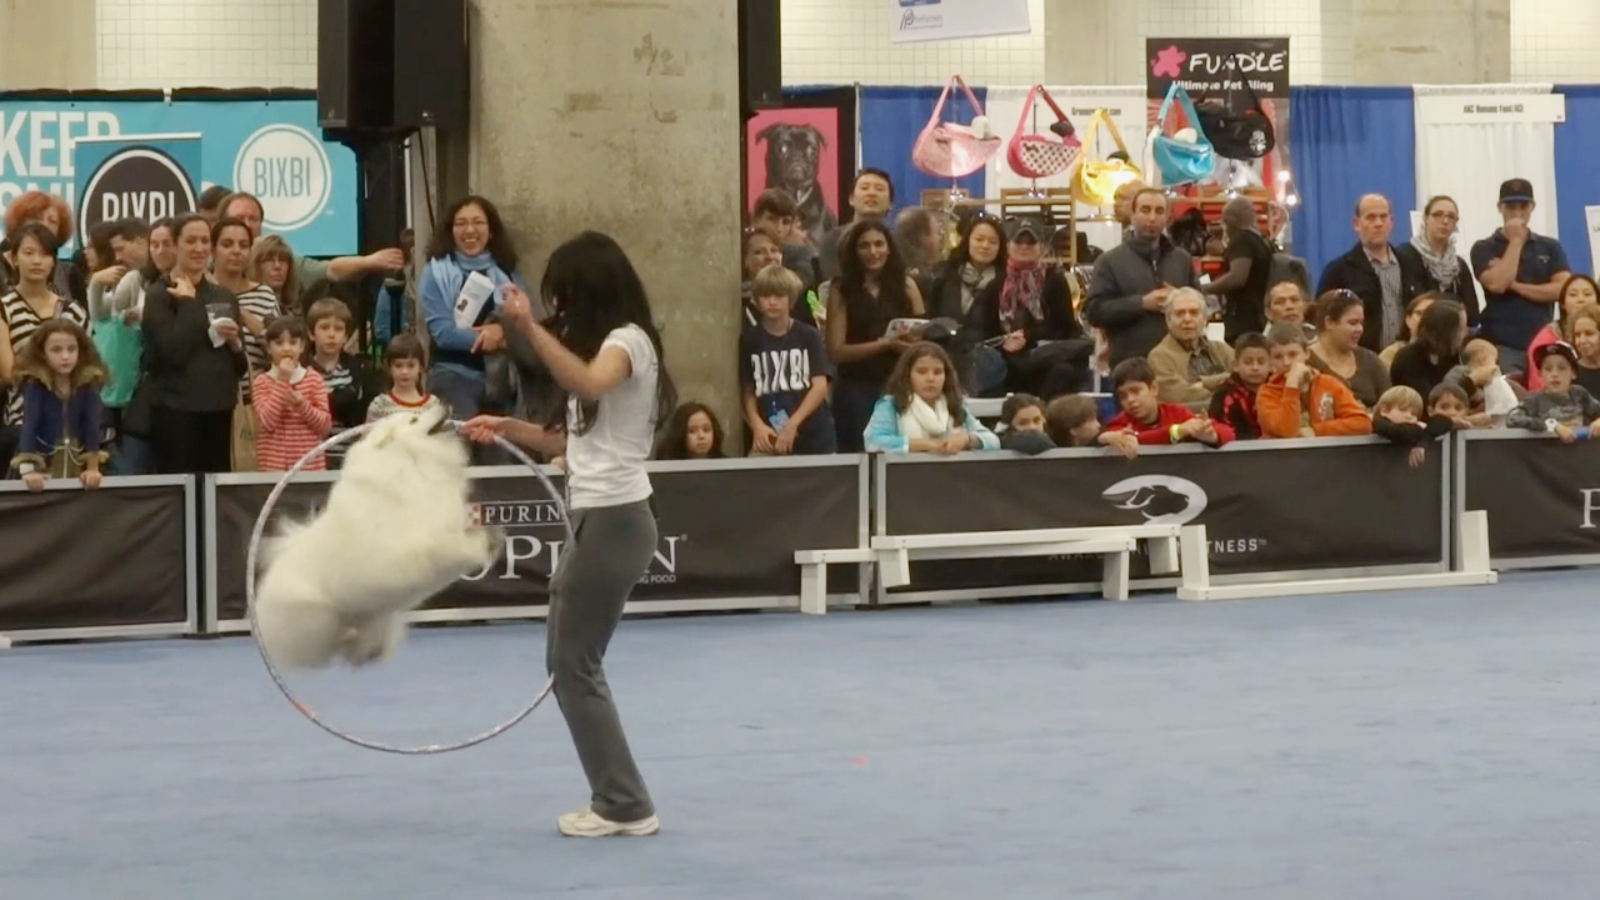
column 29, row 304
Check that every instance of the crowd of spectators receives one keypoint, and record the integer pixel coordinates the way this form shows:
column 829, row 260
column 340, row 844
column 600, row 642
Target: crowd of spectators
column 198, row 344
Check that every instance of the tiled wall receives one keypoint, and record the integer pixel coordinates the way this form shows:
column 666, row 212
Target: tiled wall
column 207, row 43
column 847, row 41
column 1555, row 40
column 273, row 43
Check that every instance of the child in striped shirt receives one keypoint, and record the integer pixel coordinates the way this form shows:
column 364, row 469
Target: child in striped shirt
column 290, row 402
column 347, row 375
column 405, row 359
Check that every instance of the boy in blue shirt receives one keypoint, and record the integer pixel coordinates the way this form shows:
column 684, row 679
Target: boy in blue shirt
column 784, row 373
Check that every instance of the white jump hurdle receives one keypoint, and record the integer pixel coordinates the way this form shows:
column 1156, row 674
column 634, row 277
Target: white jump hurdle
column 1471, row 569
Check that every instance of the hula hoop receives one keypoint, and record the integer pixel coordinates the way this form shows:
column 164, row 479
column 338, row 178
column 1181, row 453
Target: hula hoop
column 277, row 677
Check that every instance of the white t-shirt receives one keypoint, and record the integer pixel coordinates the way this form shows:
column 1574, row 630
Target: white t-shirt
column 605, row 465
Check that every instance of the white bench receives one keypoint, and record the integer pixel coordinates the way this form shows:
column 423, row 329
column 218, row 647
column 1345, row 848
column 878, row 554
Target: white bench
column 893, row 554
column 814, row 574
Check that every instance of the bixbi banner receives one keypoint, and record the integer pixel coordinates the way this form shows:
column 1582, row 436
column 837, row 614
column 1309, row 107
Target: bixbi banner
column 270, row 148
column 144, row 177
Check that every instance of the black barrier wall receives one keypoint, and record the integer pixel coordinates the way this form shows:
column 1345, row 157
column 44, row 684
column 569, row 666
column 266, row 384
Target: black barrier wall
column 115, row 561
column 126, row 560
column 1268, row 506
column 1542, row 497
column 728, row 530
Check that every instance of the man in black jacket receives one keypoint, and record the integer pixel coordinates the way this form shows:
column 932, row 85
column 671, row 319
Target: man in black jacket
column 1128, row 293
column 1372, row 271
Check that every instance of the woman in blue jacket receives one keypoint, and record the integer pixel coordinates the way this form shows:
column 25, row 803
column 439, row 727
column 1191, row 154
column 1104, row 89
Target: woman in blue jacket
column 470, row 239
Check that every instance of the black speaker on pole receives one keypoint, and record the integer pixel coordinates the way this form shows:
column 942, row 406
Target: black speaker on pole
column 760, row 56
column 432, row 73
column 355, row 65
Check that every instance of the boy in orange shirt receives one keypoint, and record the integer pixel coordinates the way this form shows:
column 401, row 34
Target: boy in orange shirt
column 1299, row 401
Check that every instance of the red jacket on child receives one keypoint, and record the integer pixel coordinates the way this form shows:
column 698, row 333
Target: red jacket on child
column 1168, row 415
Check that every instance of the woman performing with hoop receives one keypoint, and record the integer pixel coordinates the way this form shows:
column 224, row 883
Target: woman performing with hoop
column 603, row 348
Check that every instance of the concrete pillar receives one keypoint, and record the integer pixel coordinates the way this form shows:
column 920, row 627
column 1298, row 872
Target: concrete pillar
column 1092, row 42
column 48, row 45
column 1431, row 42
column 623, row 118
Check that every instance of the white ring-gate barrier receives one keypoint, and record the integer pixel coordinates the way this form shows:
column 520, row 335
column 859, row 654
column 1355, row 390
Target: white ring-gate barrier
column 1560, row 536
column 259, row 531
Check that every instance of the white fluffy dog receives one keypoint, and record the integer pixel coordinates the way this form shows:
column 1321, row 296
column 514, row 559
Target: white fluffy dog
column 395, row 532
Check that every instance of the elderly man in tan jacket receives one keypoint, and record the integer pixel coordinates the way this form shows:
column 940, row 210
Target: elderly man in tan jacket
column 1188, row 367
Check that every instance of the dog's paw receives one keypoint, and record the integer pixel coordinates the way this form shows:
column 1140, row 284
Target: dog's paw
column 489, row 543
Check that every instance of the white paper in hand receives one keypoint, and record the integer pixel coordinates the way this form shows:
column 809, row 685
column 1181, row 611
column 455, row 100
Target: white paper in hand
column 474, row 294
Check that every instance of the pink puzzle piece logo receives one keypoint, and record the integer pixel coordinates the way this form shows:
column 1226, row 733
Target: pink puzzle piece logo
column 1168, row 63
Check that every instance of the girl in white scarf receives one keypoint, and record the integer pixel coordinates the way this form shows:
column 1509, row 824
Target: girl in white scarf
column 923, row 410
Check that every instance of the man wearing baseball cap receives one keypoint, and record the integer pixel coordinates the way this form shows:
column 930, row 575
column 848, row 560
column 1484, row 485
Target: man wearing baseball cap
column 1521, row 273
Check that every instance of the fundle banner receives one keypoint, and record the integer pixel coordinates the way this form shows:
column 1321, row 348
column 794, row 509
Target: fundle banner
column 1264, row 510
column 724, row 533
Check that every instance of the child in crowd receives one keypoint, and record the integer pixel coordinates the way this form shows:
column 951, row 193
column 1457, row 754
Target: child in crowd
column 1235, row 401
column 1583, row 324
column 1397, row 418
column 290, row 402
column 1073, row 420
column 1488, row 392
column 59, row 374
column 404, row 359
column 693, row 432
column 1022, row 421
column 923, row 410
column 784, row 374
column 1299, row 401
column 1562, row 408
column 1153, row 422
column 347, row 376
column 1449, row 403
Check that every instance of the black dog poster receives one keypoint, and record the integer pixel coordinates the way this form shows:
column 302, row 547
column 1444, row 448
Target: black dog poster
column 808, row 148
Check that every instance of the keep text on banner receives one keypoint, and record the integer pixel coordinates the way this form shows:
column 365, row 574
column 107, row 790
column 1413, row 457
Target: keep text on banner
column 1542, row 496
column 130, row 565
column 1265, row 510
column 724, row 533
column 272, row 149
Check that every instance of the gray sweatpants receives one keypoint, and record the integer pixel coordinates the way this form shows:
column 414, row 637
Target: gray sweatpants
column 611, row 548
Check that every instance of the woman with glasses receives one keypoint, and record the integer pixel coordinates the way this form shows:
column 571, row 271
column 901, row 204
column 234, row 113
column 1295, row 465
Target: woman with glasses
column 1341, row 319
column 1434, row 251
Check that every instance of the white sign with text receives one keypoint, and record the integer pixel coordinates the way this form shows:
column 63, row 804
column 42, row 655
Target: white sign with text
column 918, row 21
column 1490, row 109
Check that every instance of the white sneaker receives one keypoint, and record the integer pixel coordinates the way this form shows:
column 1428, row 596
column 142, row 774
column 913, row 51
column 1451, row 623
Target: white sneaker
column 585, row 823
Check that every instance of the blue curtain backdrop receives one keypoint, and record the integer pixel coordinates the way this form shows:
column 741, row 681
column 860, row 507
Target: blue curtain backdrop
column 1348, row 142
column 891, row 119
column 1578, row 171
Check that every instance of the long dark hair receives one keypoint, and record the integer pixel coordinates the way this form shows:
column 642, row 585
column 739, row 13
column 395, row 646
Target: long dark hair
column 898, row 387
column 500, row 247
column 853, row 275
column 675, row 436
column 1439, row 328
column 963, row 252
column 594, row 290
